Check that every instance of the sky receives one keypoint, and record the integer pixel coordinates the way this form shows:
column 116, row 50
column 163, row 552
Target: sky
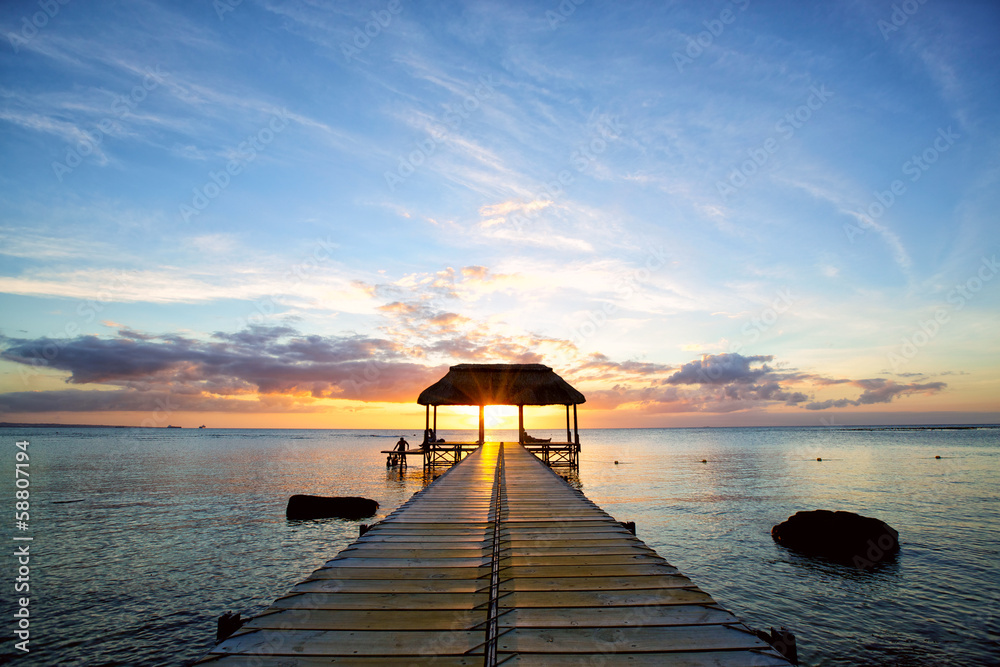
column 255, row 213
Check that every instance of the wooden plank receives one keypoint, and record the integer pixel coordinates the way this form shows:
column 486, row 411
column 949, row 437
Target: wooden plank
column 617, row 617
column 583, row 598
column 388, row 539
column 417, row 553
column 604, row 641
column 354, row 660
column 436, row 526
column 368, row 619
column 536, row 551
column 353, row 642
column 641, row 582
column 588, row 570
column 740, row 658
column 376, row 601
column 579, row 559
column 410, row 562
column 391, row 585
column 440, row 573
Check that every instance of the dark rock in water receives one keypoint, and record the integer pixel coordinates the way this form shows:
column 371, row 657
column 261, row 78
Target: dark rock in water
column 320, row 507
column 845, row 537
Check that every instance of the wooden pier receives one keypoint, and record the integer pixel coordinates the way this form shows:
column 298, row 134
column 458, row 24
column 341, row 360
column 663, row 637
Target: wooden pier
column 498, row 561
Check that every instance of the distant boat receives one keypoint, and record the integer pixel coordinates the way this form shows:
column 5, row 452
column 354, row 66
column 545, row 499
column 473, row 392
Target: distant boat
column 169, row 426
column 202, row 426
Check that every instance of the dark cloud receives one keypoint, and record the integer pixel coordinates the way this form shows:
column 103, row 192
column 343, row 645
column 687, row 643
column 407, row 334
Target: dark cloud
column 264, row 360
column 599, row 366
column 730, row 382
column 722, row 369
column 491, row 349
column 154, row 402
column 878, row 391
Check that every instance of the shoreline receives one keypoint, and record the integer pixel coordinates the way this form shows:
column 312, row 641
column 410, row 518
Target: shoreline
column 836, row 427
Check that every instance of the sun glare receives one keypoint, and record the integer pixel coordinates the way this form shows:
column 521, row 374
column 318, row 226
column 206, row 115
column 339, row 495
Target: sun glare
column 496, row 417
column 501, row 417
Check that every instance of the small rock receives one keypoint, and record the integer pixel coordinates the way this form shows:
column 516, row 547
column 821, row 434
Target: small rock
column 320, row 507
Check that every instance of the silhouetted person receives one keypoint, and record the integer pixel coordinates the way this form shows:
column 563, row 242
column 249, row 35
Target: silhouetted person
column 398, row 455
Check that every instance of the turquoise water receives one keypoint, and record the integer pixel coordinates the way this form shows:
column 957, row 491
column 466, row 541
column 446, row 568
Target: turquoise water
column 171, row 528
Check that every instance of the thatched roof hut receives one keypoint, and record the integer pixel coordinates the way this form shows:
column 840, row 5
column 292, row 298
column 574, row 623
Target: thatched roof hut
column 501, row 384
column 506, row 384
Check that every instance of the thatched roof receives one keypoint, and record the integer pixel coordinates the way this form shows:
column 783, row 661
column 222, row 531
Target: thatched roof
column 500, row 384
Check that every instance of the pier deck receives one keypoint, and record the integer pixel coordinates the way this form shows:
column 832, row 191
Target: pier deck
column 499, row 561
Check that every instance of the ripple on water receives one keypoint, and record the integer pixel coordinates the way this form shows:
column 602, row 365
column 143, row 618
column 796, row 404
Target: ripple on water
column 177, row 527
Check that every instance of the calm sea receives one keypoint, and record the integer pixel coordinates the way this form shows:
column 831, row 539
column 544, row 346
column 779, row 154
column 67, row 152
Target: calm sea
column 142, row 538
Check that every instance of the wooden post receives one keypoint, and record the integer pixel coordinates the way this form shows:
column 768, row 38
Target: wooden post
column 427, row 421
column 576, row 431
column 435, row 422
column 228, row 623
column 482, row 424
column 568, row 437
column 520, row 424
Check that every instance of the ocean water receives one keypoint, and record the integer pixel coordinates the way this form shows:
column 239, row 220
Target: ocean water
column 142, row 538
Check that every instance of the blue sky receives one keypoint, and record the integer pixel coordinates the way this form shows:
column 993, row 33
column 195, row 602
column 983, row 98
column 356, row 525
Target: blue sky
column 288, row 213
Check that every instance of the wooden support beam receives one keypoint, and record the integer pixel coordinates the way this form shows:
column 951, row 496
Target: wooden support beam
column 576, row 430
column 482, row 424
column 520, row 424
column 568, row 438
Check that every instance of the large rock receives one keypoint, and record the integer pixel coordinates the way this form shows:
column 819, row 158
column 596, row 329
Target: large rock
column 320, row 507
column 845, row 537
